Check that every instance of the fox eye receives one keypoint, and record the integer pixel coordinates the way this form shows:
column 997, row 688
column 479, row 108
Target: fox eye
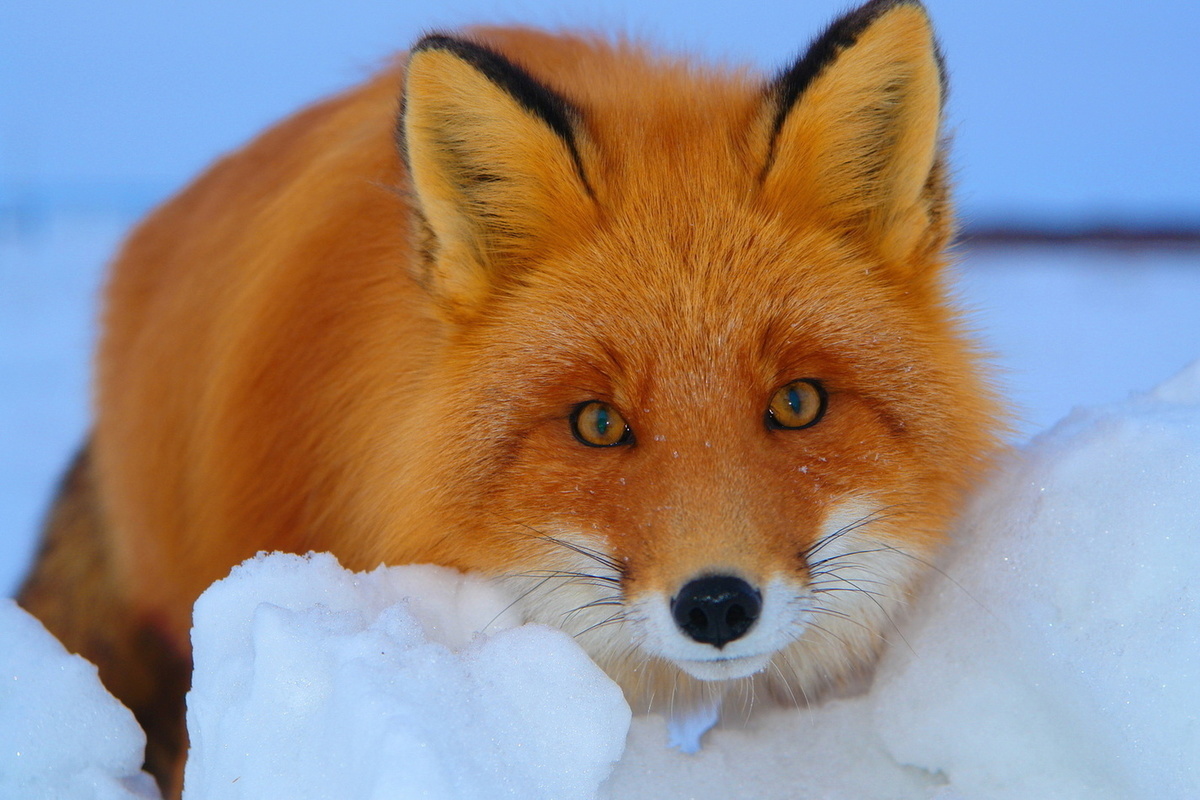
column 598, row 424
column 797, row 405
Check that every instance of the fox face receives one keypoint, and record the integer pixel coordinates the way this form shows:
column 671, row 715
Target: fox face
column 709, row 407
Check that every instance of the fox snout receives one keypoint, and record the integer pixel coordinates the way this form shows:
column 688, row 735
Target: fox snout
column 720, row 626
column 716, row 609
column 719, row 631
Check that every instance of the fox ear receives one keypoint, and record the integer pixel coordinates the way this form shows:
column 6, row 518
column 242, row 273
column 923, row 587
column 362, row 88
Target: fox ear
column 853, row 132
column 493, row 159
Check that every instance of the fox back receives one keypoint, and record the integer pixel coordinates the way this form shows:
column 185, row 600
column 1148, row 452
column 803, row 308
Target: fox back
column 666, row 347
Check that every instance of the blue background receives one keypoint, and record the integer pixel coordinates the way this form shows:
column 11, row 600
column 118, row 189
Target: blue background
column 1066, row 111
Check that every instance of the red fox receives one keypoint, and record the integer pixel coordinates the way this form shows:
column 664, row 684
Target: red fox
column 667, row 348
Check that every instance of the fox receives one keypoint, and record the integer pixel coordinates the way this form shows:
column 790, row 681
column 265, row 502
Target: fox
column 669, row 349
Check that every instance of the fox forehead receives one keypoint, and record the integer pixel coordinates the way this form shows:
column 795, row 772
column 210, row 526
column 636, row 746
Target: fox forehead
column 679, row 303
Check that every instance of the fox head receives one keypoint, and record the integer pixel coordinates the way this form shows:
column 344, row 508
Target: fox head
column 699, row 392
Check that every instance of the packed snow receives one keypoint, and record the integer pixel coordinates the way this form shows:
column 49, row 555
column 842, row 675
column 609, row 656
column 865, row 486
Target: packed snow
column 311, row 681
column 1067, row 647
column 1052, row 654
column 62, row 735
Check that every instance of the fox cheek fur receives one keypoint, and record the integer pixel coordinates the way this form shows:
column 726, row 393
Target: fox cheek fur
column 679, row 263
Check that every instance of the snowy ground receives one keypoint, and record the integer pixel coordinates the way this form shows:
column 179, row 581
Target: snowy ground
column 1055, row 659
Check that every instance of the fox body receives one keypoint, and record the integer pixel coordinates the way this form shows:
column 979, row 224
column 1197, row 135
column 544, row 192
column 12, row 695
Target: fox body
column 666, row 347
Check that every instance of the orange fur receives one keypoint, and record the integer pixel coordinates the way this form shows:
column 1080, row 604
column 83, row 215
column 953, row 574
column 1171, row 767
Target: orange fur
column 310, row 349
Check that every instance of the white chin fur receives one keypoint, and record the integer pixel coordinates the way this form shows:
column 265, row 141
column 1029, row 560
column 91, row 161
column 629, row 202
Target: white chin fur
column 725, row 669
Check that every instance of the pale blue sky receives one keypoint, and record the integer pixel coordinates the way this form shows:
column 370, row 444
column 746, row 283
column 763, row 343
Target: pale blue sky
column 1070, row 109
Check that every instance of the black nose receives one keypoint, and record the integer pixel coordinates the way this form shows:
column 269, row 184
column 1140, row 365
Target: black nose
column 717, row 609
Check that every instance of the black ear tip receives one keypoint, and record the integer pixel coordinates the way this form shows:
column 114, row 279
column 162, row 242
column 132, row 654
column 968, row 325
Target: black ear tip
column 466, row 49
column 875, row 8
column 533, row 95
column 433, row 41
column 841, row 34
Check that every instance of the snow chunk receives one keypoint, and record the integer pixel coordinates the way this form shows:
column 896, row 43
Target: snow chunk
column 62, row 735
column 1062, row 660
column 312, row 681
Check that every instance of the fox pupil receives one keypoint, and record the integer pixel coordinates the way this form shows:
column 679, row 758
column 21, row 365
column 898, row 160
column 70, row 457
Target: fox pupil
column 602, row 421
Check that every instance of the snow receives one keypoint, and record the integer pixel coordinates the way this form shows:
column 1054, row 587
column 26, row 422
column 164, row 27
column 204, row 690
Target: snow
column 49, row 277
column 1082, row 326
column 311, row 681
column 1067, row 645
column 1052, row 655
column 62, row 735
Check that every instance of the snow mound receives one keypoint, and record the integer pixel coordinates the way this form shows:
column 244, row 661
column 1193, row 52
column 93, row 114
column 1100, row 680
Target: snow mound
column 62, row 736
column 1063, row 659
column 312, row 681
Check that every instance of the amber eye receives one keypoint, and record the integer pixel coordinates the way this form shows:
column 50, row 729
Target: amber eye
column 797, row 405
column 598, row 424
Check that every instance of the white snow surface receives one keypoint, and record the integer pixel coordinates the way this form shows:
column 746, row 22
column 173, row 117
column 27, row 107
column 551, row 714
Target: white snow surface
column 1052, row 654
column 314, row 682
column 1066, row 647
column 62, row 735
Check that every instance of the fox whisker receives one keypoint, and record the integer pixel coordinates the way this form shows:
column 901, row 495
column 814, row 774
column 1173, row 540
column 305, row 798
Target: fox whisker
column 886, row 513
